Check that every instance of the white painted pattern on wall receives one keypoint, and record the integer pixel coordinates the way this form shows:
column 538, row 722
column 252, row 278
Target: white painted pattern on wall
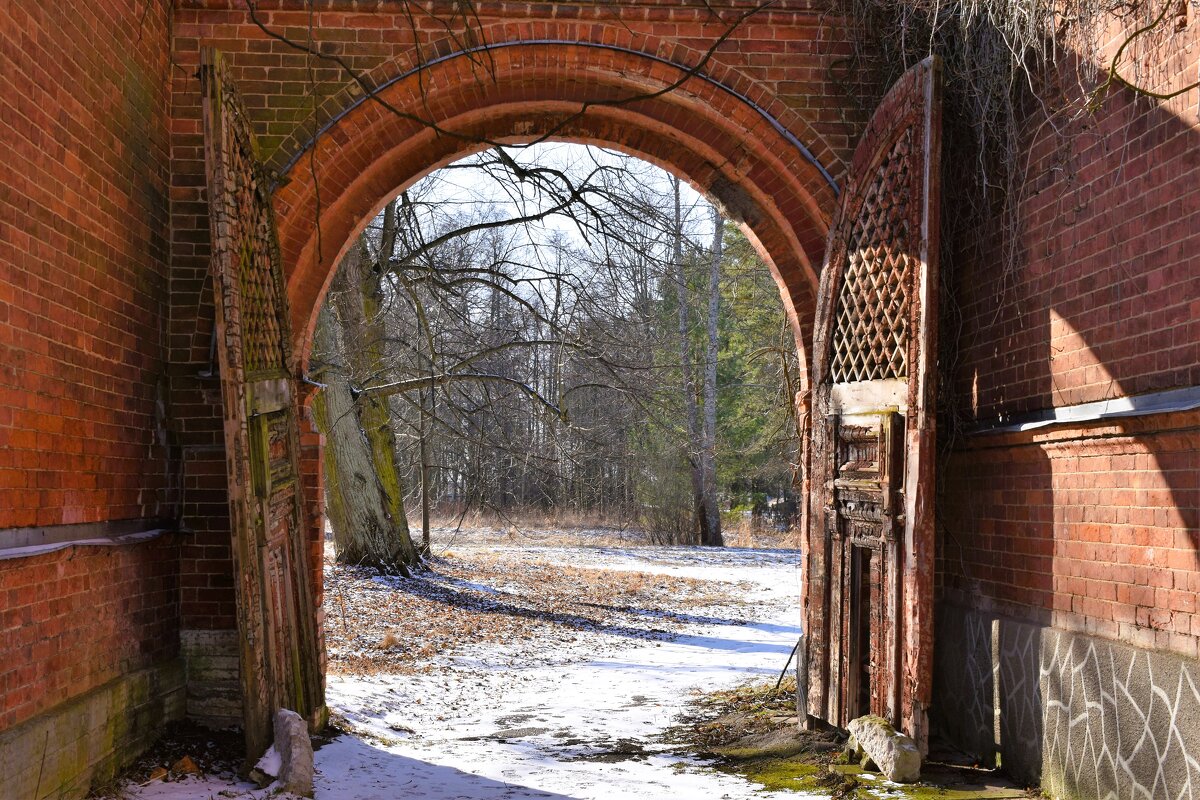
column 1119, row 723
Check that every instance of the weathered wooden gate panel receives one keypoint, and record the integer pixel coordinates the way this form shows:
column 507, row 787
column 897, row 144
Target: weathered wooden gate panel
column 280, row 666
column 869, row 618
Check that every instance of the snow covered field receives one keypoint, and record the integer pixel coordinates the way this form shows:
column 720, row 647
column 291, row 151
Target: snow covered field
column 518, row 670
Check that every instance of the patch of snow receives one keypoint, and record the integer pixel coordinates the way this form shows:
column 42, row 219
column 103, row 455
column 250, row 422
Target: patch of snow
column 270, row 763
column 575, row 715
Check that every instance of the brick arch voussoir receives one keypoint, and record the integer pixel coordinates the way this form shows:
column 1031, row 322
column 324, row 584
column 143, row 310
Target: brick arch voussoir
column 632, row 49
column 709, row 137
column 470, row 94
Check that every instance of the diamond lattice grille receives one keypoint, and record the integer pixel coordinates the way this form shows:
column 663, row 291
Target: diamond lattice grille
column 260, row 306
column 870, row 336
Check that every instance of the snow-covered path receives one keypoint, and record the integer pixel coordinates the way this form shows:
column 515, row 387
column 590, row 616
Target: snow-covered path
column 552, row 719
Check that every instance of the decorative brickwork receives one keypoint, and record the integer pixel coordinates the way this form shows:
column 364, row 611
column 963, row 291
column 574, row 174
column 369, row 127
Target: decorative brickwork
column 756, row 128
column 727, row 131
column 110, row 403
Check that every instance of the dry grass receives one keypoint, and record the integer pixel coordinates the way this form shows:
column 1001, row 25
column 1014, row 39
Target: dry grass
column 450, row 538
column 761, row 537
column 477, row 596
column 720, row 718
column 564, row 529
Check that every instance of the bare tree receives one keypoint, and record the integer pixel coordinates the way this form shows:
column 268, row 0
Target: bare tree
column 695, row 436
column 708, row 453
column 534, row 348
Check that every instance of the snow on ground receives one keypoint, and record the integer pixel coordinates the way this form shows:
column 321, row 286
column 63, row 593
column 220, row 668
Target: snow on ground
column 564, row 668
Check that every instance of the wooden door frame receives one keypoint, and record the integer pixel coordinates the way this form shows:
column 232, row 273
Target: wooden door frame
column 279, row 649
column 911, row 107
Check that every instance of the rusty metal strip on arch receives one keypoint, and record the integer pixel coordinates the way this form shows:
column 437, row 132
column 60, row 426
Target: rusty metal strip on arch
column 280, row 665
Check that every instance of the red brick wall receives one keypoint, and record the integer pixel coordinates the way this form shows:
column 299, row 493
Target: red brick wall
column 779, row 59
column 76, row 618
column 1104, row 299
column 1095, row 527
column 83, row 302
column 83, row 249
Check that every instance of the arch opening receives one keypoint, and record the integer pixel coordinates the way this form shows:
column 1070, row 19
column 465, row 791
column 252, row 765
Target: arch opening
column 700, row 131
column 712, row 138
column 586, row 264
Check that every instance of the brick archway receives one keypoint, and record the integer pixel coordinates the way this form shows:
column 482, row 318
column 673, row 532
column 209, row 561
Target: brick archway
column 710, row 134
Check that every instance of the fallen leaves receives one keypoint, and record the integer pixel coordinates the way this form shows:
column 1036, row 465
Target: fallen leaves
column 377, row 623
column 720, row 718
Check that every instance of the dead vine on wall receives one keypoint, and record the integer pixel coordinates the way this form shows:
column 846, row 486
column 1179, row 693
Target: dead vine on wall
column 1014, row 71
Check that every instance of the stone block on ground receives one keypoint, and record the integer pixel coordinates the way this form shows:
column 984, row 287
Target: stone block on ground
column 896, row 755
column 295, row 753
column 288, row 763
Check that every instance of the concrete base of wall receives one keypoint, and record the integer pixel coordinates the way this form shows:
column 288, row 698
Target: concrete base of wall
column 1083, row 717
column 214, row 689
column 88, row 740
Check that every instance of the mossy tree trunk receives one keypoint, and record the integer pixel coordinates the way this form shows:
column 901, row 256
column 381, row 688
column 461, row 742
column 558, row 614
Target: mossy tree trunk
column 364, row 494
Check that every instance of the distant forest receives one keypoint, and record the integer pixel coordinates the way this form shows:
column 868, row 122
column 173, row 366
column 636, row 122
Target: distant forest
column 559, row 333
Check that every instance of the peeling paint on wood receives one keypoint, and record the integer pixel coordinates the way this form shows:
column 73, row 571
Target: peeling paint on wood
column 870, row 531
column 280, row 661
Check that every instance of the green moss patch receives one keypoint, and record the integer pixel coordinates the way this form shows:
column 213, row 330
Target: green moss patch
column 753, row 731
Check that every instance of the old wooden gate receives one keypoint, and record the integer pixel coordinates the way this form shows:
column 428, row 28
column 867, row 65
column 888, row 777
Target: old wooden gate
column 280, row 666
column 869, row 620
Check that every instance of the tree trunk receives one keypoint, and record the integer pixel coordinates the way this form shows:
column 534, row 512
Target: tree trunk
column 708, row 453
column 424, row 433
column 361, row 443
column 694, row 443
column 355, row 502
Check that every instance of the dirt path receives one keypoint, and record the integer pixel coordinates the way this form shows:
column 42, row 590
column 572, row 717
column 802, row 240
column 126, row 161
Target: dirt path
column 516, row 670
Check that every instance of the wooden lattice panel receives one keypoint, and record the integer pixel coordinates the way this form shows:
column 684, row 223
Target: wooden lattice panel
column 870, row 336
column 262, row 327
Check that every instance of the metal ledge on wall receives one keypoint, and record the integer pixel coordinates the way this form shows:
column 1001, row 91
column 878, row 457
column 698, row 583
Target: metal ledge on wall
column 1185, row 399
column 22, row 542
